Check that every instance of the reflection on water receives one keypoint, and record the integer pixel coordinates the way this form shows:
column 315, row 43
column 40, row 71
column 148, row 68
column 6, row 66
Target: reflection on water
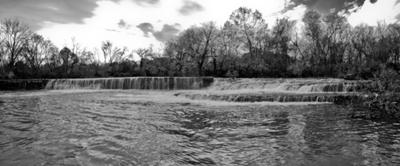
column 104, row 129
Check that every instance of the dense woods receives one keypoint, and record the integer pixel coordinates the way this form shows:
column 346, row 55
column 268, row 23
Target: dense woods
column 245, row 46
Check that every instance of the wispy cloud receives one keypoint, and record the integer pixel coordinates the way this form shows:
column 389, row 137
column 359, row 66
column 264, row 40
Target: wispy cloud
column 36, row 12
column 146, row 28
column 326, row 6
column 166, row 33
column 190, row 7
column 123, row 25
column 146, row 2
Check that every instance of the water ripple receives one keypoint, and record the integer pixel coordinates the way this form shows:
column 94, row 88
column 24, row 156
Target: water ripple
column 104, row 129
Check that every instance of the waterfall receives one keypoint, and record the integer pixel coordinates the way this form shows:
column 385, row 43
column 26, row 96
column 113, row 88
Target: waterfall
column 154, row 83
column 213, row 84
column 278, row 90
column 287, row 85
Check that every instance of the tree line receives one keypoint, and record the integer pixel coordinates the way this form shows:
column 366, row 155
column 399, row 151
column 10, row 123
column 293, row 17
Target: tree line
column 245, row 46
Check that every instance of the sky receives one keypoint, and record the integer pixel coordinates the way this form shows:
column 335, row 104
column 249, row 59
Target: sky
column 141, row 23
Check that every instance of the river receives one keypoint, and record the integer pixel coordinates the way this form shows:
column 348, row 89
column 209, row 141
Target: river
column 137, row 127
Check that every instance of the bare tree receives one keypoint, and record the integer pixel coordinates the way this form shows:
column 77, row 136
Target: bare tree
column 145, row 54
column 175, row 51
column 76, row 47
column 113, row 54
column 14, row 34
column 313, row 30
column 2, row 50
column 197, row 43
column 69, row 60
column 227, row 49
column 106, row 47
column 248, row 22
column 87, row 57
column 282, row 36
column 36, row 50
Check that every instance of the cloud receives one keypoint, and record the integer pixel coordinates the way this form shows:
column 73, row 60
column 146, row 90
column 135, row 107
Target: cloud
column 190, row 7
column 146, row 2
column 166, row 33
column 146, row 28
column 123, row 25
column 382, row 10
column 326, row 6
column 36, row 12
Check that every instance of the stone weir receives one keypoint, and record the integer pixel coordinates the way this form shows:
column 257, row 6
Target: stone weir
column 292, row 85
column 151, row 83
column 274, row 97
column 278, row 90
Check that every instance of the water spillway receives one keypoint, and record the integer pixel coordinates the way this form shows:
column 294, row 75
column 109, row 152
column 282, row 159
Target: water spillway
column 225, row 89
column 154, row 83
column 209, row 83
column 272, row 97
column 278, row 90
column 302, row 85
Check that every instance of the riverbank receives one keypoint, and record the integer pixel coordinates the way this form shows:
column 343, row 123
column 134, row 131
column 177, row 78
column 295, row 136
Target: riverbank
column 374, row 106
column 23, row 84
column 382, row 101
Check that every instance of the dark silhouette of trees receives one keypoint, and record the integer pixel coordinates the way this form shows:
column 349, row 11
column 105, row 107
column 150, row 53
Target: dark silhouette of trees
column 69, row 60
column 145, row 54
column 36, row 50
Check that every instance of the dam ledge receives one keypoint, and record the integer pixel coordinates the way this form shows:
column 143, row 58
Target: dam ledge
column 211, row 88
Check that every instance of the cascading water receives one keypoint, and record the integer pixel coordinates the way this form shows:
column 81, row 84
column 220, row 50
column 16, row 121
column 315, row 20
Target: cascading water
column 278, row 90
column 268, row 97
column 235, row 90
column 155, row 83
column 287, row 85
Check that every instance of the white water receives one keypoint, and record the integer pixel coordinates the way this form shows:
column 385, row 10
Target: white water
column 154, row 83
column 212, row 84
column 285, row 85
column 222, row 89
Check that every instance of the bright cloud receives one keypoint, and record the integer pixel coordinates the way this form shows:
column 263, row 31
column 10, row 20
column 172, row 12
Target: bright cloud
column 383, row 10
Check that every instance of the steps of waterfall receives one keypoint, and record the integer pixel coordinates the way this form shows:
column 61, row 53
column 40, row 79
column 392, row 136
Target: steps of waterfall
column 225, row 89
column 267, row 96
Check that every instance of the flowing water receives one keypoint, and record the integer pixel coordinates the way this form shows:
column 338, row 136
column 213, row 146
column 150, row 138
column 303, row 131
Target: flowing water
column 236, row 90
column 175, row 83
column 168, row 121
column 164, row 83
column 116, row 127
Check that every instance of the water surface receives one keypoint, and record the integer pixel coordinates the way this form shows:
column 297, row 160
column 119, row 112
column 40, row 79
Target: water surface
column 142, row 128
